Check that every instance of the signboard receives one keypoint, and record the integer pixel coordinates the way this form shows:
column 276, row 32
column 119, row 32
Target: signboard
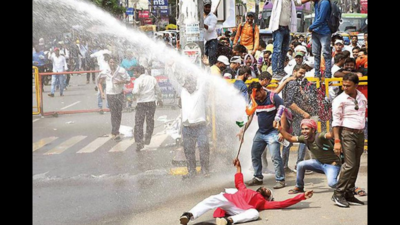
column 192, row 38
column 159, row 2
column 192, row 28
column 144, row 14
column 364, row 6
column 129, row 11
column 166, row 88
column 147, row 21
column 162, row 5
column 193, row 52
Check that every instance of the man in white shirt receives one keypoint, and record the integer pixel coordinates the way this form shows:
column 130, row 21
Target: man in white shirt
column 59, row 65
column 210, row 33
column 283, row 22
column 193, row 96
column 146, row 91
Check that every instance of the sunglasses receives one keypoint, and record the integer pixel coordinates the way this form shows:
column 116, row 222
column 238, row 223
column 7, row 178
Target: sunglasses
column 355, row 102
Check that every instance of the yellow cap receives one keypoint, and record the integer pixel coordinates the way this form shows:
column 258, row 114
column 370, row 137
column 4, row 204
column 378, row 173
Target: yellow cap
column 270, row 47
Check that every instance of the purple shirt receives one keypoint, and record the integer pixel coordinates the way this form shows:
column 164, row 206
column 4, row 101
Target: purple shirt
column 344, row 114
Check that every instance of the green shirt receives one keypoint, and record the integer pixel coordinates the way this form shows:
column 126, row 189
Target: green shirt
column 321, row 148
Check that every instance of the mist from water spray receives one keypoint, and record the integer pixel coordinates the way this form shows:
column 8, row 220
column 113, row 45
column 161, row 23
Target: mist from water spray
column 56, row 16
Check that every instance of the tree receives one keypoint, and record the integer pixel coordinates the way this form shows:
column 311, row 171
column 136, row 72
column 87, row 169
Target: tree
column 111, row 6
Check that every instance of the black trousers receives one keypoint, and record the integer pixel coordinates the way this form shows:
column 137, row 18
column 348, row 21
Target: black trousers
column 115, row 104
column 144, row 111
column 91, row 67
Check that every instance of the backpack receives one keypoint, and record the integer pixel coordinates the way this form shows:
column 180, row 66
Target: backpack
column 335, row 17
column 288, row 114
column 324, row 109
column 241, row 27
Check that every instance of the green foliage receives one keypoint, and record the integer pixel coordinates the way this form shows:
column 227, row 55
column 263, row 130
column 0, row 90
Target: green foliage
column 111, row 6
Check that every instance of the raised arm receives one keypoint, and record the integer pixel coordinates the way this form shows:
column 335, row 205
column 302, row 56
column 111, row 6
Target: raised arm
column 282, row 85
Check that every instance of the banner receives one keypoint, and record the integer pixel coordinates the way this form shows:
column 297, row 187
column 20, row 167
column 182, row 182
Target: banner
column 230, row 20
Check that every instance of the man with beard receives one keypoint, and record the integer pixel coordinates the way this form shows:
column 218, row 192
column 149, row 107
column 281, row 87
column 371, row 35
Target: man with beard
column 266, row 135
column 240, row 82
column 241, row 206
column 320, row 144
column 230, row 71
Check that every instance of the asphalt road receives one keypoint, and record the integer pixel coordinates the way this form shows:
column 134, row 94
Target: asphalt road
column 81, row 177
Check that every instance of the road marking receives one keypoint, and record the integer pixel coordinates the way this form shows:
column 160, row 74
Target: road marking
column 91, row 147
column 182, row 170
column 156, row 141
column 71, row 105
column 122, row 145
column 35, row 120
column 65, row 145
column 42, row 142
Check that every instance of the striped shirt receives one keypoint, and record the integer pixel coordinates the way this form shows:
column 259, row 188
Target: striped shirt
column 266, row 111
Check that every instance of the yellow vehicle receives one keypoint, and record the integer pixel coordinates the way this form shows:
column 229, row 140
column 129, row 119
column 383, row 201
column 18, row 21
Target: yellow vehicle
column 149, row 29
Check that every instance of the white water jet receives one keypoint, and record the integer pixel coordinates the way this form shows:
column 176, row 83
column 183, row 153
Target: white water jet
column 53, row 17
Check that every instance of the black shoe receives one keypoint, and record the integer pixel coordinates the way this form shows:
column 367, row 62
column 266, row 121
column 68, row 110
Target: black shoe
column 185, row 218
column 188, row 176
column 51, row 95
column 139, row 146
column 254, row 182
column 117, row 138
column 354, row 201
column 340, row 201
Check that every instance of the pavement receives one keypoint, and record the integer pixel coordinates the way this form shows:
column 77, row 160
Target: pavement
column 318, row 210
column 165, row 197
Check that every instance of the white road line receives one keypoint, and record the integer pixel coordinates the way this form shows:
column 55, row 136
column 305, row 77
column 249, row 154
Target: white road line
column 156, row 141
column 123, row 145
column 91, row 147
column 71, row 105
column 65, row 145
column 42, row 142
column 35, row 120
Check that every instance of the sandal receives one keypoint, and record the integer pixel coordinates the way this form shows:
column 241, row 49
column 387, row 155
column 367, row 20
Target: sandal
column 359, row 191
column 296, row 190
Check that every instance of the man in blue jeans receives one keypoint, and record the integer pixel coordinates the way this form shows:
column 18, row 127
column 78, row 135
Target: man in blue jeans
column 326, row 161
column 210, row 33
column 266, row 135
column 321, row 37
column 283, row 21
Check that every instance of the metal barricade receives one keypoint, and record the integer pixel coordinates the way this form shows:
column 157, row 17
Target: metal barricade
column 36, row 91
column 40, row 99
column 362, row 86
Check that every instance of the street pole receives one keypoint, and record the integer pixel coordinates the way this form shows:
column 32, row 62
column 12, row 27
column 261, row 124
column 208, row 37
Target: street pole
column 200, row 8
column 191, row 26
column 257, row 6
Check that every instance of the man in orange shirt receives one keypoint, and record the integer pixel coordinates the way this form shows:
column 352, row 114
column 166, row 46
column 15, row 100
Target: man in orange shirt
column 248, row 33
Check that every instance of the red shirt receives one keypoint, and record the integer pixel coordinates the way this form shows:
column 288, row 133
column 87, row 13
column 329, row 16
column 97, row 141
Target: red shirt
column 246, row 198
